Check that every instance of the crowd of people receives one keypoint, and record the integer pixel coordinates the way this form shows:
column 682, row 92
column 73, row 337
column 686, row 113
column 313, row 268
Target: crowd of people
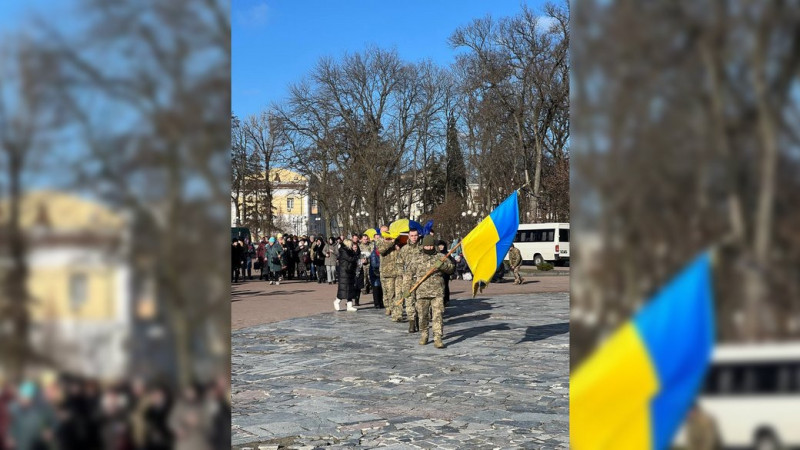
column 66, row 412
column 386, row 266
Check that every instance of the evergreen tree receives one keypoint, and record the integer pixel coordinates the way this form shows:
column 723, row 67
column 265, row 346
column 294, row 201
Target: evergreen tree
column 455, row 170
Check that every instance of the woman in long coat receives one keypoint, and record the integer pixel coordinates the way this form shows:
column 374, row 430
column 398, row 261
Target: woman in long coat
column 330, row 259
column 348, row 260
column 274, row 259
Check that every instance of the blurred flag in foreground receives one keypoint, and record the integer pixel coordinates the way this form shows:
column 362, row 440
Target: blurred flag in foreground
column 487, row 244
column 634, row 391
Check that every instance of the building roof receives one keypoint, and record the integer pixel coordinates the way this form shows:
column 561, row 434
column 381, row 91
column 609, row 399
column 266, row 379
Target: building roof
column 62, row 212
column 281, row 175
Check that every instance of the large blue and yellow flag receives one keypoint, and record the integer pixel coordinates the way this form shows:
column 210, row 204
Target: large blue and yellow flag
column 487, row 244
column 634, row 391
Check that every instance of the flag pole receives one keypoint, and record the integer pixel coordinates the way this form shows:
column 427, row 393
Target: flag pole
column 427, row 275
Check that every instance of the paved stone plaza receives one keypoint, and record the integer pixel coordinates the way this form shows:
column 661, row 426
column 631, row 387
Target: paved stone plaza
column 358, row 380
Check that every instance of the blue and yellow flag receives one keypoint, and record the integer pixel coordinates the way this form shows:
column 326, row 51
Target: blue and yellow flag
column 634, row 391
column 487, row 244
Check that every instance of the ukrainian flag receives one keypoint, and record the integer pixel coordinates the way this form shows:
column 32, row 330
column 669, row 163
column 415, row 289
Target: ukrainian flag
column 635, row 390
column 487, row 244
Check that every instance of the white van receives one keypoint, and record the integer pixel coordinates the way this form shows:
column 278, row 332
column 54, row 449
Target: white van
column 753, row 394
column 539, row 242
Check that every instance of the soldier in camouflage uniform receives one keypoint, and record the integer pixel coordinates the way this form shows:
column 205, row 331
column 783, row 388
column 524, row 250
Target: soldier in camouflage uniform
column 701, row 431
column 430, row 294
column 408, row 259
column 390, row 279
column 515, row 260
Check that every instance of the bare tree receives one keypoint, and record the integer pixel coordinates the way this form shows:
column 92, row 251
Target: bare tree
column 515, row 75
column 146, row 86
column 27, row 124
column 686, row 132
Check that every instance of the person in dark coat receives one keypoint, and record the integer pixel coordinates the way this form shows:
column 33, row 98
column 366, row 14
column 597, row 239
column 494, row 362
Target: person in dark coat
column 237, row 255
column 375, row 278
column 290, row 255
column 261, row 254
column 348, row 260
column 360, row 278
column 441, row 247
column 303, row 261
column 318, row 256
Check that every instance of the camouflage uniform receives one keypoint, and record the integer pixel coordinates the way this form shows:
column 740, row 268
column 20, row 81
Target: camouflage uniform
column 515, row 259
column 408, row 258
column 390, row 279
column 701, row 432
column 430, row 294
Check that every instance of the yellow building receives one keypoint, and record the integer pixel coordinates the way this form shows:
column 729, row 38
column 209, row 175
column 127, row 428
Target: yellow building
column 293, row 209
column 78, row 279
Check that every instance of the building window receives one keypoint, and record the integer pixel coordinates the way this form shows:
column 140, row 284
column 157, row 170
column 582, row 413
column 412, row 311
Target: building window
column 78, row 290
column 290, row 204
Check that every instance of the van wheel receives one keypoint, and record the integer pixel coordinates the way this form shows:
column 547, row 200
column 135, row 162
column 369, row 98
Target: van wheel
column 537, row 259
column 766, row 440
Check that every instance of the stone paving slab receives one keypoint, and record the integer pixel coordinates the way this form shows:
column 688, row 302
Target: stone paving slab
column 358, row 380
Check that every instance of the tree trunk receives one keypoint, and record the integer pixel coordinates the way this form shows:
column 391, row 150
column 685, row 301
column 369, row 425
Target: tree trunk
column 16, row 278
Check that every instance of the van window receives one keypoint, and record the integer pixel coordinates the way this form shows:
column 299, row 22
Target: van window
column 753, row 379
column 563, row 235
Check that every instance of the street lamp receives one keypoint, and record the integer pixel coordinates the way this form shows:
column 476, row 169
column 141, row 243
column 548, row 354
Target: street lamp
column 363, row 215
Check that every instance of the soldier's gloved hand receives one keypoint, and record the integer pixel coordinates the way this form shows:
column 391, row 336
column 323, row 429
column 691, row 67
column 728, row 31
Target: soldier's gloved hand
column 406, row 294
column 437, row 265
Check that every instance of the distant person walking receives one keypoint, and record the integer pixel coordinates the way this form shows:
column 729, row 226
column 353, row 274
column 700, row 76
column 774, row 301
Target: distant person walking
column 515, row 260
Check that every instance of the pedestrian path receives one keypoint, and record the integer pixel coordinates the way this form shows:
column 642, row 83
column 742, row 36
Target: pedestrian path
column 357, row 380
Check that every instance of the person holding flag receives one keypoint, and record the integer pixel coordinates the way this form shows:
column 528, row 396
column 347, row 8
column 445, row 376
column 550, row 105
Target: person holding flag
column 483, row 248
column 430, row 293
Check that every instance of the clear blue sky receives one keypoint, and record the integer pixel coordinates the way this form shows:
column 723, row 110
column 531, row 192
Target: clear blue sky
column 276, row 43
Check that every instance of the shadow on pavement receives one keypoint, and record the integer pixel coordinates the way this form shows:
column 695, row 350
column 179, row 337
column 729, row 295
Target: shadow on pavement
column 244, row 293
column 539, row 332
column 267, row 293
column 460, row 307
column 464, row 319
column 472, row 332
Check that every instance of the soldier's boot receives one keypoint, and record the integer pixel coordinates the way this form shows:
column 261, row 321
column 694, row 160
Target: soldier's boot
column 521, row 280
column 412, row 326
column 423, row 338
column 437, row 342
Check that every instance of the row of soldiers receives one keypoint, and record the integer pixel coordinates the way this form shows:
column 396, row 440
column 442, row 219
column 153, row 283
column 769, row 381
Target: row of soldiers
column 402, row 266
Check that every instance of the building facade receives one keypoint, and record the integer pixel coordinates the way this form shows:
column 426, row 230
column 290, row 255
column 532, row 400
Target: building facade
column 79, row 282
column 293, row 209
